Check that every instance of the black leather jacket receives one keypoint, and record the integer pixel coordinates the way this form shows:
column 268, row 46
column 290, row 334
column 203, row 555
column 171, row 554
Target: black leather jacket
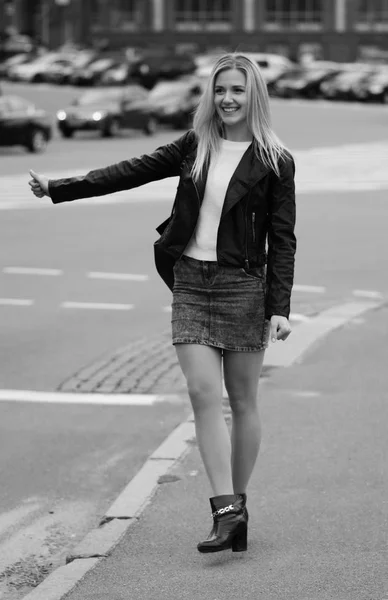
column 257, row 220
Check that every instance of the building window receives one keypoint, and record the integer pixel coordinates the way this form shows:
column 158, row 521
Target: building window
column 372, row 14
column 96, row 13
column 118, row 14
column 294, row 14
column 200, row 15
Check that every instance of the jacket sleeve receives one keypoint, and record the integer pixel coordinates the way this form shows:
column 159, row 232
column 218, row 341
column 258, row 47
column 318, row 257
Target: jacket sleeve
column 125, row 175
column 281, row 240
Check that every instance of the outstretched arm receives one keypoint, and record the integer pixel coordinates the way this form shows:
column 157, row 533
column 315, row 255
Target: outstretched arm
column 125, row 175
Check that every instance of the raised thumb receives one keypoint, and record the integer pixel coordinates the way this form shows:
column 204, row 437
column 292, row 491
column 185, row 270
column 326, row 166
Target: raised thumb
column 34, row 175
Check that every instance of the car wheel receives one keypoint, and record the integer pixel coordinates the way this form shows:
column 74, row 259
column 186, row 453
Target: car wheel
column 66, row 132
column 151, row 126
column 37, row 141
column 111, row 128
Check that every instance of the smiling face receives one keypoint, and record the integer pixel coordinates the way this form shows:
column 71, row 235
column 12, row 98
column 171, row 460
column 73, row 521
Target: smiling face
column 231, row 103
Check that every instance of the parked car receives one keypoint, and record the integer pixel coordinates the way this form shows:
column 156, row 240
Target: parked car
column 32, row 71
column 341, row 87
column 279, row 86
column 90, row 74
column 271, row 65
column 106, row 110
column 173, row 102
column 153, row 67
column 119, row 74
column 13, row 61
column 375, row 88
column 23, row 124
column 60, row 71
column 305, row 83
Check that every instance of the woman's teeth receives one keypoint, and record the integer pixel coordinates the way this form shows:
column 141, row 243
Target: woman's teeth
column 230, row 110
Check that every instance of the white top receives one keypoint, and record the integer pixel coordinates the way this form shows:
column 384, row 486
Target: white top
column 203, row 244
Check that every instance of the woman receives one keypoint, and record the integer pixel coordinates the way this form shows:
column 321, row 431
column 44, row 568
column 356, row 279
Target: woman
column 231, row 245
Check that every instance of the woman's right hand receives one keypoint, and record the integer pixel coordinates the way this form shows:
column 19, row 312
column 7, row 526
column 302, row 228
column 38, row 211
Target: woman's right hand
column 39, row 184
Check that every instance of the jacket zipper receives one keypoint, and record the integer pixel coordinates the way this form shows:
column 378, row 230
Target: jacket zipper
column 246, row 235
column 254, row 227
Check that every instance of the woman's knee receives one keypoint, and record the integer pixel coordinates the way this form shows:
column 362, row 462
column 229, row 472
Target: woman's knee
column 204, row 394
column 243, row 402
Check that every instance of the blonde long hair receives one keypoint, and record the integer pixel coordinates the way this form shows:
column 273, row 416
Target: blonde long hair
column 207, row 124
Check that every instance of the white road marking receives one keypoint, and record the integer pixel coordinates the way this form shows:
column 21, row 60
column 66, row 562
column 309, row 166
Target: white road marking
column 117, row 276
column 96, row 305
column 31, row 271
column 310, row 289
column 16, row 302
column 93, row 399
column 368, row 294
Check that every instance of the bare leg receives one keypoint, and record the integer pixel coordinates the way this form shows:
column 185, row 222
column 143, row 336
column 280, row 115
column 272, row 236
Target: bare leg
column 241, row 373
column 201, row 365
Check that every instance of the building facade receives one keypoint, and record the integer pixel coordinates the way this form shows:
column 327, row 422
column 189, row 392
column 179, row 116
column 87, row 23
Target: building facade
column 342, row 30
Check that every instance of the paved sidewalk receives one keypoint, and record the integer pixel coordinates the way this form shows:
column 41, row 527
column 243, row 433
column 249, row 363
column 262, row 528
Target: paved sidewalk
column 318, row 498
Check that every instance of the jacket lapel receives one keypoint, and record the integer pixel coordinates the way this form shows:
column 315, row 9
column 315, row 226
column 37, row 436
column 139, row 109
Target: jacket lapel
column 248, row 172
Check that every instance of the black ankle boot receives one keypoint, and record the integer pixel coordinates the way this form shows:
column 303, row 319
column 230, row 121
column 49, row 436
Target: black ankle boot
column 244, row 505
column 230, row 525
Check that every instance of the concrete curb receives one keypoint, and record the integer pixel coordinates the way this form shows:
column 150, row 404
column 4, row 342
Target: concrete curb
column 309, row 333
column 62, row 580
column 125, row 511
column 129, row 505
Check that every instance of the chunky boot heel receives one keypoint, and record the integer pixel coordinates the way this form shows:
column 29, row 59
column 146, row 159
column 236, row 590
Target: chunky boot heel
column 230, row 525
column 240, row 540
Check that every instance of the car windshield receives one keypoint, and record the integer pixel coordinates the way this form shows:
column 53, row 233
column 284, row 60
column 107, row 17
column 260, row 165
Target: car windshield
column 99, row 96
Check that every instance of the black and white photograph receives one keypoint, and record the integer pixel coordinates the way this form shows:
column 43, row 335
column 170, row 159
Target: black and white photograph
column 193, row 299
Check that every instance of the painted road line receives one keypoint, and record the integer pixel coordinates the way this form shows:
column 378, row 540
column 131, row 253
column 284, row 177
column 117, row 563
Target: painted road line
column 16, row 302
column 32, row 271
column 96, row 305
column 117, row 276
column 284, row 354
column 92, row 399
column 368, row 294
column 310, row 289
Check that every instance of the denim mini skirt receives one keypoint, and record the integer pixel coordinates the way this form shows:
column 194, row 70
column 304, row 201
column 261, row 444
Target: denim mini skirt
column 220, row 306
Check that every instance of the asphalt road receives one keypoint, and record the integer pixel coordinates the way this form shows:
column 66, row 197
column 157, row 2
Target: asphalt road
column 60, row 466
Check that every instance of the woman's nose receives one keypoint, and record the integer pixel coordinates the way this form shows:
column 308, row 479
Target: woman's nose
column 228, row 96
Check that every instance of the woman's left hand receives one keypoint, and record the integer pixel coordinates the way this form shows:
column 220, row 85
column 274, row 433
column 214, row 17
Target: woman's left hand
column 280, row 328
